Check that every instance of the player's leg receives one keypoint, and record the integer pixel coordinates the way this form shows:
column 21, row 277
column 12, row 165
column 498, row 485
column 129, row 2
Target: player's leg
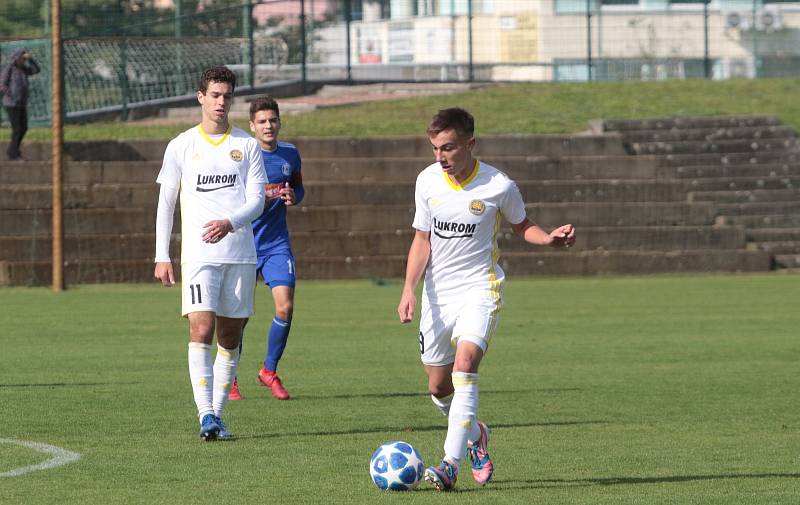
column 235, row 394
column 199, row 303
column 462, row 425
column 473, row 330
column 279, row 274
column 236, row 305
column 437, row 356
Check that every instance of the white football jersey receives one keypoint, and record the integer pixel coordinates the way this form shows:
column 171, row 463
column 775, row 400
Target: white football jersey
column 463, row 221
column 213, row 174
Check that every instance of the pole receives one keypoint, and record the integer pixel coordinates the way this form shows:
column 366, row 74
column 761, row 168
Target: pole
column 57, row 146
column 469, row 40
column 589, row 40
column 348, row 6
column 755, row 38
column 123, row 76
column 251, row 49
column 303, row 76
column 706, row 52
column 179, row 88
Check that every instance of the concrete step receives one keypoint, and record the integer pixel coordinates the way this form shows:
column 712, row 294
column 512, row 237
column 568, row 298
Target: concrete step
column 774, row 235
column 752, row 158
column 25, row 273
column 36, row 196
column 713, row 146
column 778, row 247
column 709, row 134
column 78, row 248
column 380, row 193
column 768, row 207
column 347, row 147
column 625, row 125
column 518, row 168
column 38, row 222
column 761, row 221
column 787, row 261
column 380, row 243
column 348, row 169
column 741, row 183
column 744, row 196
column 81, row 172
column 759, row 170
column 391, row 217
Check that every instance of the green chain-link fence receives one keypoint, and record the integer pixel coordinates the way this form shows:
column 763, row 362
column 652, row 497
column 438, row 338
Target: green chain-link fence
column 116, row 60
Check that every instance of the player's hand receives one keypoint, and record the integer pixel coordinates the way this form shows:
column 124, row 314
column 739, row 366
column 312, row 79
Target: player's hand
column 563, row 236
column 406, row 308
column 287, row 194
column 164, row 273
column 214, row 231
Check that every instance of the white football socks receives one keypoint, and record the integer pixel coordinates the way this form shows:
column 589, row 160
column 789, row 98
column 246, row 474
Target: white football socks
column 443, row 403
column 461, row 422
column 224, row 373
column 202, row 376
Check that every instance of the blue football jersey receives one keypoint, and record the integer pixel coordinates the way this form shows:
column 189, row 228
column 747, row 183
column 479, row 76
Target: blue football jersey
column 270, row 229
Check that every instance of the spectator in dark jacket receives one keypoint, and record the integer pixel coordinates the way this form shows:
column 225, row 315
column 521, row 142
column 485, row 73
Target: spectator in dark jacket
column 14, row 87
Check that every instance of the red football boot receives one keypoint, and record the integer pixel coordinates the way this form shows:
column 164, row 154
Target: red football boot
column 234, row 393
column 273, row 382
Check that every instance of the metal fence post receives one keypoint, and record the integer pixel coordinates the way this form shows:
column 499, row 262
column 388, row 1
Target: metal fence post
column 347, row 19
column 706, row 52
column 123, row 76
column 303, row 76
column 469, row 40
column 247, row 13
column 755, row 38
column 589, row 40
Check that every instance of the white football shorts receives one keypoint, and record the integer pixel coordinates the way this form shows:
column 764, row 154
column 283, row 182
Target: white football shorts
column 442, row 326
column 227, row 290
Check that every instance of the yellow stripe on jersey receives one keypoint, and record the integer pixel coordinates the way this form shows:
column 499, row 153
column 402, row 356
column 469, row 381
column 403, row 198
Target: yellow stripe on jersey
column 208, row 139
column 459, row 187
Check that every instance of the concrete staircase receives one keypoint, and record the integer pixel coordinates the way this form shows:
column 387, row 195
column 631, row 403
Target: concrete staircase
column 756, row 158
column 720, row 199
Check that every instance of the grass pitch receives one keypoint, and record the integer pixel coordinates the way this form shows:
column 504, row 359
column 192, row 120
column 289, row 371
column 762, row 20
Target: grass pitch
column 648, row 391
column 502, row 109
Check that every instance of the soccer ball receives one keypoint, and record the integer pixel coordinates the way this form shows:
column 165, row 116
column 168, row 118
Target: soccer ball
column 396, row 466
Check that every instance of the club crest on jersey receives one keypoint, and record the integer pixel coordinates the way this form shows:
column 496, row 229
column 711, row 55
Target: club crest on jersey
column 236, row 155
column 477, row 207
column 286, row 169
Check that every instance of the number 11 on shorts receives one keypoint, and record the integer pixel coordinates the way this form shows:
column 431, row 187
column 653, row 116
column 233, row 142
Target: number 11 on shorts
column 196, row 298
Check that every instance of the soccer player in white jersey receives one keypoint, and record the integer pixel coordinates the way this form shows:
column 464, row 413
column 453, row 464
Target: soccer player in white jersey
column 460, row 202
column 219, row 174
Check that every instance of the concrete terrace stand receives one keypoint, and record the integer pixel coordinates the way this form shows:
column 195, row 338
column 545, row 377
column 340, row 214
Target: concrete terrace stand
column 656, row 196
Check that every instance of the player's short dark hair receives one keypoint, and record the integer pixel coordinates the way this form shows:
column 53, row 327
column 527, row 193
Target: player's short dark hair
column 216, row 74
column 454, row 118
column 264, row 103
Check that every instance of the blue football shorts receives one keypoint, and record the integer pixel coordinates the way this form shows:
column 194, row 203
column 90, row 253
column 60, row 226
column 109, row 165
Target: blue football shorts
column 277, row 270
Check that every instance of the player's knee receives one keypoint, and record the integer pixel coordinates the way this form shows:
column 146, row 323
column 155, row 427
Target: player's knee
column 440, row 390
column 201, row 332
column 285, row 310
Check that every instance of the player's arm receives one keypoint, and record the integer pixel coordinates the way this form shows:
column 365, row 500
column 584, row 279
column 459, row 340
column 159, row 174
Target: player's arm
column 418, row 256
column 167, row 198
column 563, row 236
column 293, row 192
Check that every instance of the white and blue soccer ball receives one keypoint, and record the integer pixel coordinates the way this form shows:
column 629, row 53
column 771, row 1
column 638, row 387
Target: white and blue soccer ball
column 396, row 466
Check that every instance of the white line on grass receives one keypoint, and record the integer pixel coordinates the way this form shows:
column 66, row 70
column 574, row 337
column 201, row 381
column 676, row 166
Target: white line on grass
column 60, row 457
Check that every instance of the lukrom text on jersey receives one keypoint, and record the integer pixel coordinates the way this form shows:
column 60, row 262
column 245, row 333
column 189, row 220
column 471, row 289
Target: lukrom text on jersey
column 216, row 179
column 467, row 229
